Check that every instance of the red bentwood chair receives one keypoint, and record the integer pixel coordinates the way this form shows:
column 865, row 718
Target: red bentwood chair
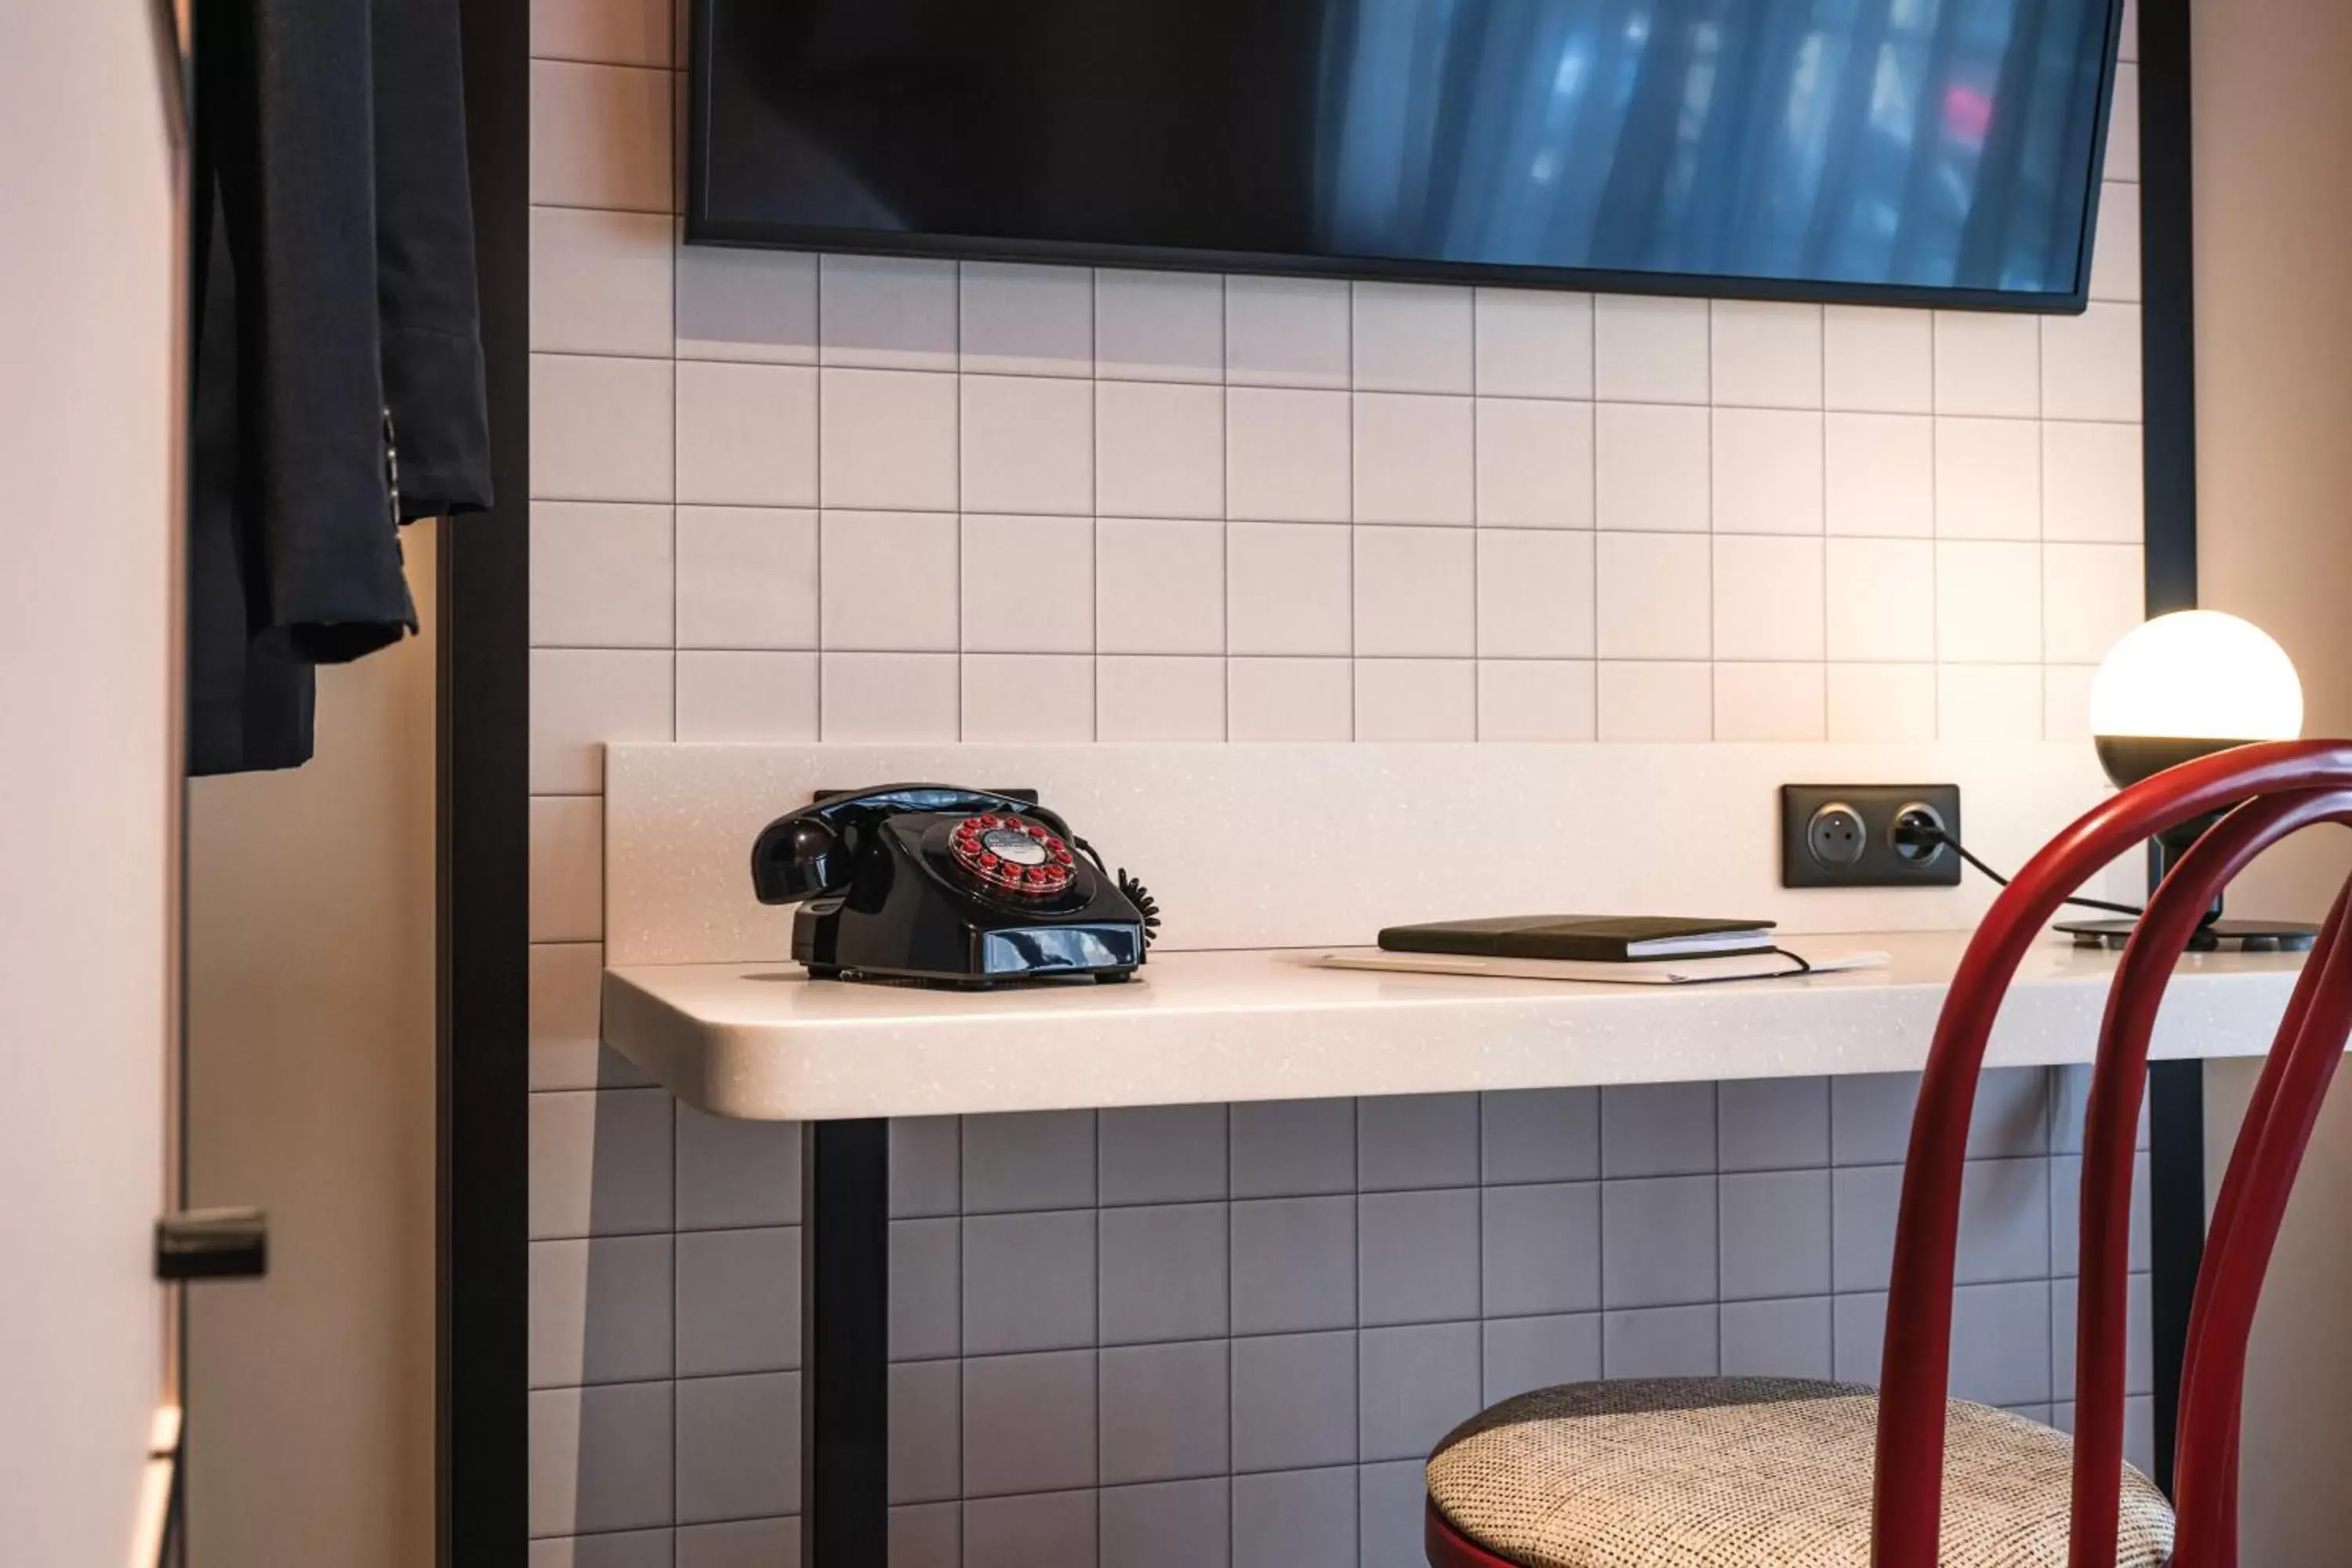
column 1747, row 1472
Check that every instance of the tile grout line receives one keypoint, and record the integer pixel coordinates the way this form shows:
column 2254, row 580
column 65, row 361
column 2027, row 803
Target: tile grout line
column 899, row 369
column 1093, row 1353
column 1231, row 1372
column 1356, row 1230
column 1592, row 380
column 2050, row 1220
column 2041, row 549
column 1600, row 1224
column 1093, row 534
column 1477, row 557
column 1225, row 395
column 1715, row 1147
column 1829, row 1093
column 956, row 295
column 2051, row 1282
column 963, row 1479
column 817, row 632
column 1821, row 386
column 1714, row 669
column 677, row 421
column 1225, row 534
column 676, row 1109
column 1355, row 677
column 1935, row 522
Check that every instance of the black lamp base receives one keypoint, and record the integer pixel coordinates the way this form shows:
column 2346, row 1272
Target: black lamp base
column 2244, row 936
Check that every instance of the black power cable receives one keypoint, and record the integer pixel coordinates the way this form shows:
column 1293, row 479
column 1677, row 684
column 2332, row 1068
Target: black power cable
column 1914, row 830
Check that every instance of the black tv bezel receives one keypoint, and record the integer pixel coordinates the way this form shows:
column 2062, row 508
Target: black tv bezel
column 702, row 228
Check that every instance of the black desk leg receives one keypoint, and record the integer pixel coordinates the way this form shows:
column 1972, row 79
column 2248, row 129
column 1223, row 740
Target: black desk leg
column 2176, row 1204
column 844, row 1330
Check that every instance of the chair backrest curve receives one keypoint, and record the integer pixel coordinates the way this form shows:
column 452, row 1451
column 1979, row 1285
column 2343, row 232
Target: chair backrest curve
column 1916, row 1368
column 2262, row 1169
column 2227, row 1212
column 2119, row 1084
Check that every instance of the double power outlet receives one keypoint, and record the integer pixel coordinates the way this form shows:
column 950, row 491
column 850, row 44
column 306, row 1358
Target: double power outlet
column 1844, row 836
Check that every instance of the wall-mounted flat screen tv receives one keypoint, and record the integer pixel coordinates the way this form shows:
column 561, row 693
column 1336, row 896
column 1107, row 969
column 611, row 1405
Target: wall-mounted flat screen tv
column 1942, row 152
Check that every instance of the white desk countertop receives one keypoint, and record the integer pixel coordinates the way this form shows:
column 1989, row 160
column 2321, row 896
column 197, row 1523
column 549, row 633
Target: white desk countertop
column 761, row 1041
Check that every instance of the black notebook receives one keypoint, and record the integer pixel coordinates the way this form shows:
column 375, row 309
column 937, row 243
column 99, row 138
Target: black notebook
column 1607, row 938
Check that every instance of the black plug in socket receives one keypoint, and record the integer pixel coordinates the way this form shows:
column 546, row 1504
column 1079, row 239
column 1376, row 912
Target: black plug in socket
column 1843, row 835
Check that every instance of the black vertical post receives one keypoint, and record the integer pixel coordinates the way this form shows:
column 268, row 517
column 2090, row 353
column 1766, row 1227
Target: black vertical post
column 2167, row 308
column 845, row 1342
column 2176, row 1090
column 482, row 1448
column 2176, row 1200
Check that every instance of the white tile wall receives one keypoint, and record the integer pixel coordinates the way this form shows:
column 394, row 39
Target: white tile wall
column 1160, row 326
column 739, row 695
column 1880, row 358
column 901, row 388
column 1767, row 356
column 1160, row 449
column 1028, row 584
column 1772, row 701
column 1533, row 345
column 779, row 496
column 1650, row 349
column 886, row 313
column 1879, row 475
column 1534, row 595
column 1160, row 586
column 1768, row 475
column 1987, row 479
column 600, row 137
column 1655, row 701
column 1987, row 364
column 1651, row 468
column 732, row 306
column 1413, row 459
column 746, row 434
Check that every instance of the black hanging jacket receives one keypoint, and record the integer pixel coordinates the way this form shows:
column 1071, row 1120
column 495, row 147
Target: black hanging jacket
column 338, row 364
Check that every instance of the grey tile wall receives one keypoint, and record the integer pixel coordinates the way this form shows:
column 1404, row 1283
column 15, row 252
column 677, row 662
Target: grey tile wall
column 1221, row 1336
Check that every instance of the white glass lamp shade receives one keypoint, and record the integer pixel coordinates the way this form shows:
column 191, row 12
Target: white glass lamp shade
column 2186, row 684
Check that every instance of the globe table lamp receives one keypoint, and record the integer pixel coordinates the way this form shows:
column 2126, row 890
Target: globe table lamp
column 2177, row 687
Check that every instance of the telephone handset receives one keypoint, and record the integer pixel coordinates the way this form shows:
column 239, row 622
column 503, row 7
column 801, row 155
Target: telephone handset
column 935, row 882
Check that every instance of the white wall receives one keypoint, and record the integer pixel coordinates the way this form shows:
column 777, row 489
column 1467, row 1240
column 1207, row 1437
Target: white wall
column 310, row 1093
column 2273, row 134
column 88, row 771
column 2274, row 130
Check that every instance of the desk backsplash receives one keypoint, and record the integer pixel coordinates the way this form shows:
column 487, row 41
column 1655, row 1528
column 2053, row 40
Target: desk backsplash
column 779, row 498
column 1297, row 845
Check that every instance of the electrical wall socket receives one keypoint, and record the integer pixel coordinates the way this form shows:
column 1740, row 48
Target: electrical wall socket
column 1843, row 835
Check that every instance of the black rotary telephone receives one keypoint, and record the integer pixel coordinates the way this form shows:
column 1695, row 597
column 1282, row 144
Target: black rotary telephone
column 963, row 887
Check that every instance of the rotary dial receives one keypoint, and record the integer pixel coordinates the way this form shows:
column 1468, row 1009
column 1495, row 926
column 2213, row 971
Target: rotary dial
column 1011, row 854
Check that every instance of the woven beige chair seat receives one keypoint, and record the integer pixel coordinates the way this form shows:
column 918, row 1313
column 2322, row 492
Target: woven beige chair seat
column 1751, row 1473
